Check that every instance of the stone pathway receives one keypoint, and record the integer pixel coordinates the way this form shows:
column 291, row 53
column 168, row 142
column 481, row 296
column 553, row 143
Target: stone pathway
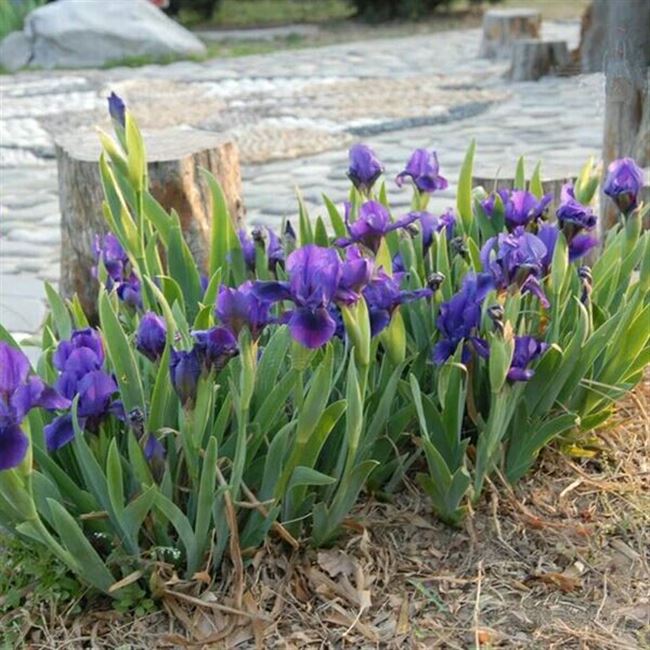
column 293, row 113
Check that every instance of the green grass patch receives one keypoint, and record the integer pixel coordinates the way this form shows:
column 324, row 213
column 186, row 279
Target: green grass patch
column 12, row 15
column 264, row 13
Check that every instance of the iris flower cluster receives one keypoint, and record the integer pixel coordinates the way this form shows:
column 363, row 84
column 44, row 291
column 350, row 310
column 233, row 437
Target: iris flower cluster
column 20, row 391
column 120, row 273
column 80, row 362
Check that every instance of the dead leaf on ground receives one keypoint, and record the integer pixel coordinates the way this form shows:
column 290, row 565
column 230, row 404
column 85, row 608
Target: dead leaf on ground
column 336, row 562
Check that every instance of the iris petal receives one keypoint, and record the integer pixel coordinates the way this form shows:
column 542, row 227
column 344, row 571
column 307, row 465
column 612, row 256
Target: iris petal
column 312, row 328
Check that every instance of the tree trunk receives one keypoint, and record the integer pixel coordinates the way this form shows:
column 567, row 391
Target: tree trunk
column 501, row 27
column 626, row 88
column 593, row 35
column 174, row 158
column 532, row 59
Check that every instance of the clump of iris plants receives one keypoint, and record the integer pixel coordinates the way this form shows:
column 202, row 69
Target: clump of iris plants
column 263, row 393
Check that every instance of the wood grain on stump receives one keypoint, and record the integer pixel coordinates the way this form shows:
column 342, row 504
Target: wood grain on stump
column 532, row 59
column 501, row 27
column 175, row 157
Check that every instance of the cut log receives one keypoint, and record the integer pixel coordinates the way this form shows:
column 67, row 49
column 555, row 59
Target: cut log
column 550, row 186
column 502, row 27
column 627, row 88
column 532, row 59
column 174, row 158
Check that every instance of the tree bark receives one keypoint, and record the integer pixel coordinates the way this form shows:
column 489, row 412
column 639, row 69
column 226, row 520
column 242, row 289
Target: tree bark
column 627, row 99
column 501, row 27
column 174, row 159
column 532, row 59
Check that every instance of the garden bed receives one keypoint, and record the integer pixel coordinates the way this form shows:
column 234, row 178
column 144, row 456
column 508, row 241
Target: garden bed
column 189, row 447
column 562, row 559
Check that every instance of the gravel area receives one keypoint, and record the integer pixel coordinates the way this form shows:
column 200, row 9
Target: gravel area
column 293, row 114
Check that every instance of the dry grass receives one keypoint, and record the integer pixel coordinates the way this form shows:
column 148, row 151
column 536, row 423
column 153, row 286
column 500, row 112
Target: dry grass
column 560, row 561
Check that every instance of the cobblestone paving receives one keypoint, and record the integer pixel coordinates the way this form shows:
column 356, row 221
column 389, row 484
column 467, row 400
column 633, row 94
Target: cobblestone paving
column 293, row 114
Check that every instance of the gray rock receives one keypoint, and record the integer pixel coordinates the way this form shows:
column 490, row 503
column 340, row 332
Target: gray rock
column 15, row 51
column 83, row 33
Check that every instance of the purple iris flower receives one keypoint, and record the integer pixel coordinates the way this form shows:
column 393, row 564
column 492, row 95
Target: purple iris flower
column 153, row 449
column 88, row 341
column 274, row 251
column 19, row 393
column 242, row 307
column 623, row 184
column 151, row 336
column 80, row 362
column 185, row 370
column 527, row 349
column 111, row 253
column 116, row 109
column 431, row 224
column 372, row 224
column 423, row 169
column 119, row 270
column 572, row 214
column 519, row 207
column 513, row 257
column 460, row 317
column 215, row 346
column 365, row 168
column 248, row 249
column 356, row 272
column 398, row 264
column 130, row 292
column 489, row 204
column 314, row 276
column 579, row 245
column 384, row 295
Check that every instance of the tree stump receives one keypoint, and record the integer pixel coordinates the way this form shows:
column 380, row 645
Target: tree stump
column 532, row 59
column 501, row 27
column 174, row 158
column 627, row 88
column 550, row 186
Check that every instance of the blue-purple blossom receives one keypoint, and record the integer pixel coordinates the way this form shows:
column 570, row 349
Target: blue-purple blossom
column 624, row 183
column 579, row 244
column 512, row 257
column 460, row 317
column 274, row 251
column 116, row 109
column 423, row 170
column 215, row 346
column 151, row 336
column 573, row 215
column 384, row 295
column 314, row 276
column 356, row 272
column 19, row 393
column 153, row 449
column 248, row 249
column 527, row 349
column 430, row 224
column 242, row 308
column 119, row 270
column 365, row 168
column 184, row 371
column 520, row 208
column 109, row 250
column 372, row 224
column 80, row 362
column 84, row 341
